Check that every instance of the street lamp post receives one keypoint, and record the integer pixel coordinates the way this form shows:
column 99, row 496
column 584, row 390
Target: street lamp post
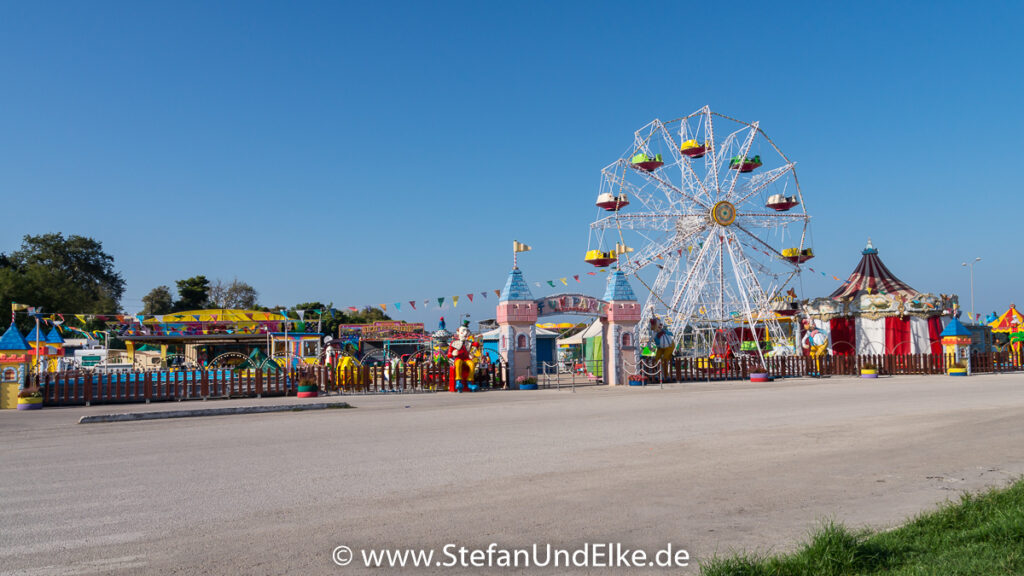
column 971, row 266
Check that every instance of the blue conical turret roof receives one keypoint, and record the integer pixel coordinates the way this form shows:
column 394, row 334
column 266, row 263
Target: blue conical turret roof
column 618, row 288
column 515, row 288
column 54, row 337
column 955, row 328
column 13, row 340
column 35, row 335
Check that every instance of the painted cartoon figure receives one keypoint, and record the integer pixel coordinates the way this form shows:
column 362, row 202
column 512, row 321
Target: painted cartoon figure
column 664, row 344
column 462, row 353
column 816, row 341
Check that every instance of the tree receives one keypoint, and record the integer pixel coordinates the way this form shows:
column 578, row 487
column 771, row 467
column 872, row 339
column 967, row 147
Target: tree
column 237, row 294
column 158, row 301
column 193, row 293
column 64, row 275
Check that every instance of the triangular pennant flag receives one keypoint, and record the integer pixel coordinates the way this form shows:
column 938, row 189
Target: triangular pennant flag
column 440, row 302
column 302, row 315
column 564, row 282
column 591, row 273
column 398, row 305
column 353, row 308
column 195, row 317
column 576, row 277
column 497, row 292
column 81, row 318
column 537, row 284
column 455, row 301
column 384, row 306
column 836, row 278
column 551, row 283
column 470, row 296
column 426, row 303
column 413, row 304
column 484, row 294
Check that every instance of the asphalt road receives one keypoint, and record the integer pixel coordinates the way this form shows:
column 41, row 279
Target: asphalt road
column 708, row 468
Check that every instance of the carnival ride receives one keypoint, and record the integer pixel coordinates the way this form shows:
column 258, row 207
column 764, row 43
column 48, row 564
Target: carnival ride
column 718, row 222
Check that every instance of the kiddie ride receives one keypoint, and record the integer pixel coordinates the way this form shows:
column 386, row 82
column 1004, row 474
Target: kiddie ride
column 463, row 354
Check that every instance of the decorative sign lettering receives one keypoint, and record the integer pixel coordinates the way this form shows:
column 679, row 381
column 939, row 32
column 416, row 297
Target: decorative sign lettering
column 571, row 304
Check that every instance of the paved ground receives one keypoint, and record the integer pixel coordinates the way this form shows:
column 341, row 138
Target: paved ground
column 707, row 467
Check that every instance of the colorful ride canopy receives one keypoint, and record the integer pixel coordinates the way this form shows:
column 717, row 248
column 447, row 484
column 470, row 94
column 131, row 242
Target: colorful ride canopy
column 217, row 315
column 1011, row 321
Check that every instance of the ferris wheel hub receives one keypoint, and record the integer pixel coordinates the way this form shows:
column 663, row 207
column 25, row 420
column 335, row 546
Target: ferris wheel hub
column 723, row 213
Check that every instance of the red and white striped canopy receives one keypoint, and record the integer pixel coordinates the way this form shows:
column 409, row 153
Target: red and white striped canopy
column 872, row 273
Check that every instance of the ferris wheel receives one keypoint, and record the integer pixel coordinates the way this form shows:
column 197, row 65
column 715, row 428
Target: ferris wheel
column 707, row 213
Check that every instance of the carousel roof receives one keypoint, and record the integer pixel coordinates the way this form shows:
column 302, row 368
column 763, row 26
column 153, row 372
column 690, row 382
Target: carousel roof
column 1010, row 321
column 872, row 276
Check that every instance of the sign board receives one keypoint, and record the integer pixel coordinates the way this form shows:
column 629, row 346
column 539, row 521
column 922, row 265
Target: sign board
column 570, row 304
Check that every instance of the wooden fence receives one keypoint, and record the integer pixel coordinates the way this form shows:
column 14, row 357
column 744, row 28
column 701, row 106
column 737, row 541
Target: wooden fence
column 692, row 369
column 94, row 387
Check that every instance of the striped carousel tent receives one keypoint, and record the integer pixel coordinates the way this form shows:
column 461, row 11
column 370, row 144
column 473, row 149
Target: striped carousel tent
column 872, row 276
column 874, row 312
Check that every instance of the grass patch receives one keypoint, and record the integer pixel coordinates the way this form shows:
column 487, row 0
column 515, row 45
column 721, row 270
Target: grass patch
column 982, row 534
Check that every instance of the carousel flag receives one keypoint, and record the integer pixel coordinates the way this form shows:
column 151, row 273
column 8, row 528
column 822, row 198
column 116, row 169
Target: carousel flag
column 576, row 277
column 81, row 318
column 518, row 246
column 484, row 294
column 497, row 292
column 413, row 304
column 455, row 301
column 470, row 296
column 551, row 283
column 564, row 282
column 440, row 302
column 15, row 306
column 398, row 305
column 384, row 306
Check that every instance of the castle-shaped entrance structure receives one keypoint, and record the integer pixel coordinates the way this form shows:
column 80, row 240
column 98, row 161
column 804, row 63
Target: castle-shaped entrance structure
column 518, row 311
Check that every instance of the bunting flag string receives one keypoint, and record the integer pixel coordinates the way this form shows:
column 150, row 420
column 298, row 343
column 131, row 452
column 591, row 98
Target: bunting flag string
column 140, row 318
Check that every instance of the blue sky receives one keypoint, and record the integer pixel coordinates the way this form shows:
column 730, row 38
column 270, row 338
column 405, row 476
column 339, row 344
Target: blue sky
column 361, row 153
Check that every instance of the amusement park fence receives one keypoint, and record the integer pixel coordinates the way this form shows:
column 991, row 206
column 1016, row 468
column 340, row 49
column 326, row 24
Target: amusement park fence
column 694, row 369
column 94, row 387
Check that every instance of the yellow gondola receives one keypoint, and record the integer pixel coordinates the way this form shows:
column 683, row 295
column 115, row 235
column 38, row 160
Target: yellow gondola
column 693, row 149
column 599, row 258
column 797, row 255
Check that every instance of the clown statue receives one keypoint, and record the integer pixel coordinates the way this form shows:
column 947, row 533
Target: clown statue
column 816, row 341
column 463, row 352
column 664, row 344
